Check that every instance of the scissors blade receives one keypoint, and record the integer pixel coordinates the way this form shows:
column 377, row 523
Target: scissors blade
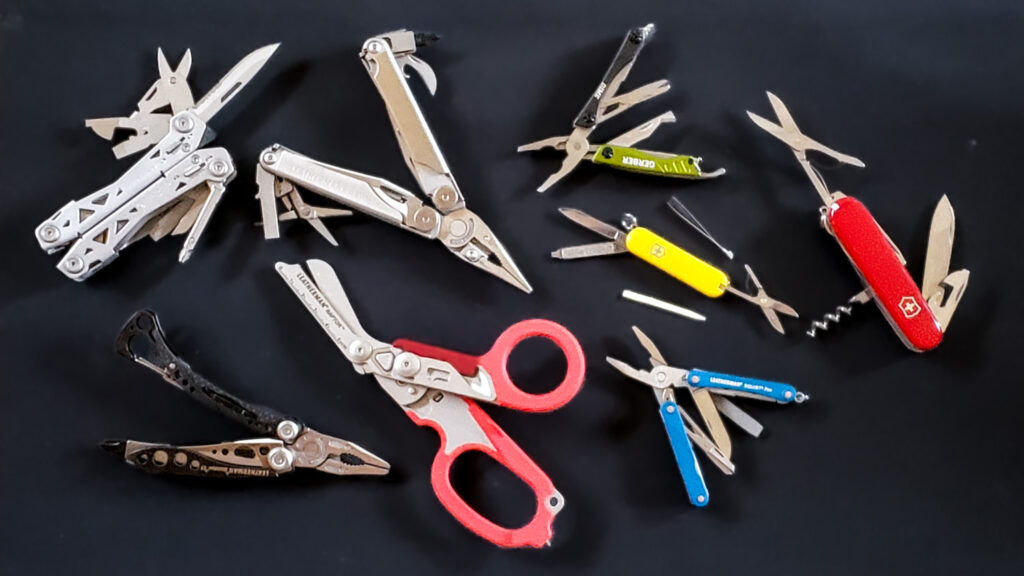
column 656, row 358
column 593, row 224
column 233, row 82
column 174, row 83
column 792, row 136
column 484, row 250
column 327, row 281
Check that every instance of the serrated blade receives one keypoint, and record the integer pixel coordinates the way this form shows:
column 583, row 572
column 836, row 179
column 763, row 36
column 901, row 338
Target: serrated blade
column 233, row 82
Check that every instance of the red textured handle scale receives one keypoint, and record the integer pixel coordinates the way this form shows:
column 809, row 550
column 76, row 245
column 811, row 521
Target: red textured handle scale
column 496, row 444
column 879, row 265
column 495, row 362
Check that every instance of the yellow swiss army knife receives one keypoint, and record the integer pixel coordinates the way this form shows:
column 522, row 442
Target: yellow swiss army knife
column 669, row 258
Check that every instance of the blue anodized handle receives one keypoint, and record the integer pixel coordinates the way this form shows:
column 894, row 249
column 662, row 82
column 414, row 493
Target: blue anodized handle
column 685, row 458
column 777, row 391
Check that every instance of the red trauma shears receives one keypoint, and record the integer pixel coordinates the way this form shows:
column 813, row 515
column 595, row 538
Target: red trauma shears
column 440, row 388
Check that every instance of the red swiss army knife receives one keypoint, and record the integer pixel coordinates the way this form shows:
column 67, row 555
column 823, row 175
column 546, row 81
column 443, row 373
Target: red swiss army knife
column 919, row 316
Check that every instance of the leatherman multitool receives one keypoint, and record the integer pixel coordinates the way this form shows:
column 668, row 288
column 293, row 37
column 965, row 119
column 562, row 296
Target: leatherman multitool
column 606, row 102
column 919, row 316
column 282, row 171
column 285, row 443
column 173, row 189
column 440, row 388
column 710, row 392
column 669, row 258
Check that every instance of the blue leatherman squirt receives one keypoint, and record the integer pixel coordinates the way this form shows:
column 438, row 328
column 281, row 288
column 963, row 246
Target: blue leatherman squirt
column 710, row 392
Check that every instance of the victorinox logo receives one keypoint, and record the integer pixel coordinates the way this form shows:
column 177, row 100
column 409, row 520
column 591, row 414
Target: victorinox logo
column 909, row 306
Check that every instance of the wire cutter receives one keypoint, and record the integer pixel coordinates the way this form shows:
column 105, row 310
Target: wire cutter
column 605, row 103
column 669, row 258
column 173, row 189
column 439, row 388
column 285, row 443
column 445, row 218
column 919, row 316
column 710, row 392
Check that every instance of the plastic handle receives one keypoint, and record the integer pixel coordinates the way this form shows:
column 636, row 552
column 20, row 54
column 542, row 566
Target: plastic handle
column 696, row 489
column 495, row 363
column 676, row 262
column 636, row 160
column 496, row 444
column 879, row 265
column 777, row 391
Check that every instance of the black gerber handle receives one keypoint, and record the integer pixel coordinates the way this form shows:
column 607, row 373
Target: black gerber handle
column 631, row 45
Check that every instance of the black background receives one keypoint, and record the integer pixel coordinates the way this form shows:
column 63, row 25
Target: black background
column 901, row 463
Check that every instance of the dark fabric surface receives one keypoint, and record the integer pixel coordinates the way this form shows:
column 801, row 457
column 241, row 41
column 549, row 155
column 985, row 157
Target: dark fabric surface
column 900, row 463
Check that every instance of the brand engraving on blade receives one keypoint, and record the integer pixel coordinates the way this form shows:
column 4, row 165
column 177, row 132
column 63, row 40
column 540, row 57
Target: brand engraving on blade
column 600, row 90
column 909, row 306
column 638, row 162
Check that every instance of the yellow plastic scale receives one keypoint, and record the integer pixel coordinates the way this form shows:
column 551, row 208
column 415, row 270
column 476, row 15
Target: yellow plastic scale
column 669, row 258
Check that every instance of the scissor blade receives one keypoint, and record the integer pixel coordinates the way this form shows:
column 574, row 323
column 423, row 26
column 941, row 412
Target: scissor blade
column 330, row 318
column 233, row 82
column 656, row 358
column 792, row 136
column 592, row 224
column 940, row 248
column 327, row 281
column 486, row 252
column 643, row 131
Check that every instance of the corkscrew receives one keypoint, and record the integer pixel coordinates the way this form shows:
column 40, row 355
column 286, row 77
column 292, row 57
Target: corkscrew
column 836, row 316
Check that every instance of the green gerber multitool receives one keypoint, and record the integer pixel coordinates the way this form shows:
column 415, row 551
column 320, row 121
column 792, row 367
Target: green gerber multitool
column 618, row 152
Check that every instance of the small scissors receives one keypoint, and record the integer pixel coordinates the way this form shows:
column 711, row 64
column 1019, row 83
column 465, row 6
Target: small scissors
column 439, row 388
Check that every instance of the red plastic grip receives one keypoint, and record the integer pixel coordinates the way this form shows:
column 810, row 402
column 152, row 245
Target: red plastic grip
column 495, row 362
column 879, row 265
column 537, row 532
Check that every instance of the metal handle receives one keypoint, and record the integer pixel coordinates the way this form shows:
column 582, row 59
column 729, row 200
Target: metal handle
column 686, row 460
column 647, row 162
column 143, row 341
column 628, row 51
column 729, row 385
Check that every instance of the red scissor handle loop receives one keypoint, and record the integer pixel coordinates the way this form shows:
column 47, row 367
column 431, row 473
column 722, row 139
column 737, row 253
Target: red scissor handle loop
column 537, row 532
column 495, row 362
